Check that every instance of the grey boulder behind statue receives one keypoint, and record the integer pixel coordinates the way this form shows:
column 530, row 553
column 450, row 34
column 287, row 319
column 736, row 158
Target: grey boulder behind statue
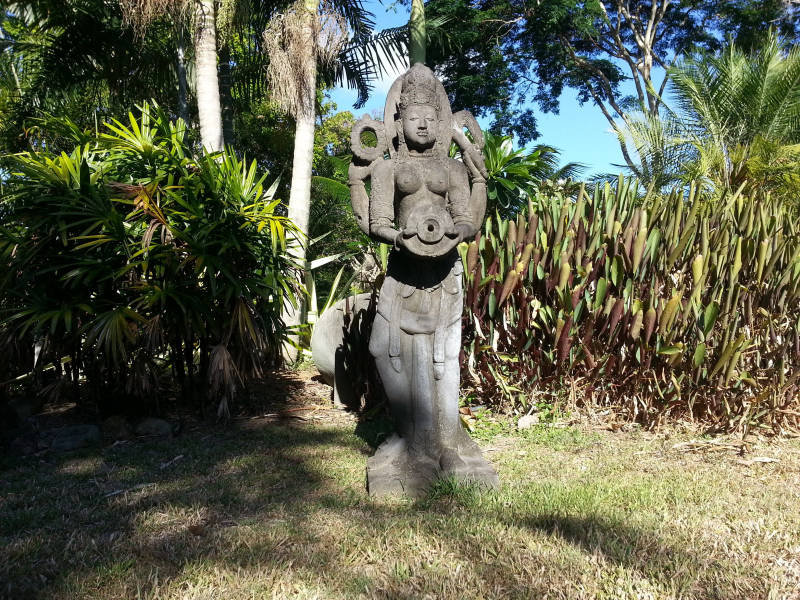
column 328, row 346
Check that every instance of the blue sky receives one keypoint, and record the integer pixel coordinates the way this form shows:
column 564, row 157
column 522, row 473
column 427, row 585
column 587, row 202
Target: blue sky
column 581, row 133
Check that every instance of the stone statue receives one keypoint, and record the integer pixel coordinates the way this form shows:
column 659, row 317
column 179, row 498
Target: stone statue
column 421, row 203
column 338, row 325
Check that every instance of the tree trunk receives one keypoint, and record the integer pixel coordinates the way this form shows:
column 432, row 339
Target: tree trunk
column 226, row 98
column 183, row 88
column 300, row 194
column 417, row 33
column 205, row 51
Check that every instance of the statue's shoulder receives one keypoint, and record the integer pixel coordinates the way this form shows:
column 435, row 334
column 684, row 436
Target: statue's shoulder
column 456, row 166
column 383, row 168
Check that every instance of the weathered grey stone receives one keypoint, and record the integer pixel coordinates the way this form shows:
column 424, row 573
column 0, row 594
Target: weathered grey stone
column 153, row 426
column 71, row 437
column 528, row 421
column 422, row 203
column 25, row 407
column 327, row 345
column 117, row 428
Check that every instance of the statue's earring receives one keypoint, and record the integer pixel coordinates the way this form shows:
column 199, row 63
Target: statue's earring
column 401, row 138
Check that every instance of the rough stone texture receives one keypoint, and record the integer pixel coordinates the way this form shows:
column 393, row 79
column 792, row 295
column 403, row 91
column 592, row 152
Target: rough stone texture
column 424, row 204
column 71, row 437
column 117, row 428
column 25, row 407
column 153, row 426
column 327, row 346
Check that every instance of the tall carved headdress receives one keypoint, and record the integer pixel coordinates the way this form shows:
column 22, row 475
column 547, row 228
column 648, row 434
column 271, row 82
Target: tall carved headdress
column 417, row 86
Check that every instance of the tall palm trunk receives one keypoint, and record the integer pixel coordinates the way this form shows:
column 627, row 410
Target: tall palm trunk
column 208, row 103
column 305, row 115
column 417, row 27
column 183, row 88
column 225, row 83
column 141, row 12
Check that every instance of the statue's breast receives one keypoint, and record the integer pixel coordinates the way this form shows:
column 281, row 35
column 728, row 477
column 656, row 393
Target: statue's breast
column 411, row 174
column 436, row 177
column 407, row 178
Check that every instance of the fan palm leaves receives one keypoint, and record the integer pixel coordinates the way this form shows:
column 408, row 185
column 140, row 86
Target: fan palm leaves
column 733, row 101
column 75, row 57
column 736, row 120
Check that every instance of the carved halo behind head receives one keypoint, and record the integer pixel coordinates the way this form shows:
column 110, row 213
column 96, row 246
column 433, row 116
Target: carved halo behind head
column 418, row 85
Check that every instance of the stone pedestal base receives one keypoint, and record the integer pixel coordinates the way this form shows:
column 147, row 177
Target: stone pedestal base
column 394, row 469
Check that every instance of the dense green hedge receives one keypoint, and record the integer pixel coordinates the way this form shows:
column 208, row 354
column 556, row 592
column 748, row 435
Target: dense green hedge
column 677, row 305
column 131, row 263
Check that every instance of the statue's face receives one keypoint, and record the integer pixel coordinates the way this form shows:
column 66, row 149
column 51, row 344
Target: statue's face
column 419, row 126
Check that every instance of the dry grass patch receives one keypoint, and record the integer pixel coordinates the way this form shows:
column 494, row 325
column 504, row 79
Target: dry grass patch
column 280, row 511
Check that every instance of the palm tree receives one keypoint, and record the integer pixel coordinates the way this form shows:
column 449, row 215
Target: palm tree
column 737, row 121
column 297, row 41
column 514, row 176
column 209, row 106
column 76, row 58
column 140, row 13
column 738, row 106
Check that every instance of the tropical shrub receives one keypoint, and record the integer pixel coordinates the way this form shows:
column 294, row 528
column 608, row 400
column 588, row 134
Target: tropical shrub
column 513, row 176
column 665, row 306
column 131, row 262
column 736, row 122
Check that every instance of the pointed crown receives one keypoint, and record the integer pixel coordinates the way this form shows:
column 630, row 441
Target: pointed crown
column 419, row 87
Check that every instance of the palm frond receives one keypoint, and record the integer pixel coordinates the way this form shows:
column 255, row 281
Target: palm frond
column 366, row 58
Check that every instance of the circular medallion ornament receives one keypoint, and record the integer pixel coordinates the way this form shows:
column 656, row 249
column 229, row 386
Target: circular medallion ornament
column 368, row 153
column 426, row 231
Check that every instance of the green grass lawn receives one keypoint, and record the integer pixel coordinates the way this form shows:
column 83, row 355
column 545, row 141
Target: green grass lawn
column 280, row 510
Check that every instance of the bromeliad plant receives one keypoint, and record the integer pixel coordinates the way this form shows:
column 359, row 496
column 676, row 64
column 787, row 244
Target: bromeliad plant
column 129, row 259
column 677, row 304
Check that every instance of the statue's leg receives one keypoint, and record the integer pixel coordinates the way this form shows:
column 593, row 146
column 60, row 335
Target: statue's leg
column 451, row 432
column 395, row 373
column 402, row 463
column 425, row 439
column 460, row 456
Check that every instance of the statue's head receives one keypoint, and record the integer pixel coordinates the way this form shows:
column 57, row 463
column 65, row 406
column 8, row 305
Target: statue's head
column 419, row 108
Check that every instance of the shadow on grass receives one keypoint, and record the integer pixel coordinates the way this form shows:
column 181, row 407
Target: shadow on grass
column 124, row 521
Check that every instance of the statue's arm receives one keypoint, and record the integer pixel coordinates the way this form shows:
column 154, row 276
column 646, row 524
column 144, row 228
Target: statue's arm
column 381, row 204
column 458, row 196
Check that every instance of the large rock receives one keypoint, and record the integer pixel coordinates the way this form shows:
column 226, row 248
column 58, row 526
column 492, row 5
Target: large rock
column 156, row 427
column 25, row 407
column 117, row 428
column 71, row 437
column 328, row 345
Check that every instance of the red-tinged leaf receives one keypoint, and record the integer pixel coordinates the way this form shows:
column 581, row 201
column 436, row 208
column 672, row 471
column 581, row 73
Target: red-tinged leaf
column 576, row 296
column 564, row 340
column 649, row 324
column 533, row 224
column 512, row 278
column 588, row 359
column 616, row 315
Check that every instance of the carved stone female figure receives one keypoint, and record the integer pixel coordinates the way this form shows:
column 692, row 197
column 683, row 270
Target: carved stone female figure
column 422, row 204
